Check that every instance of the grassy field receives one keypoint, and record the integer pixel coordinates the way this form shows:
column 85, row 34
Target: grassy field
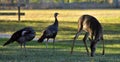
column 40, row 19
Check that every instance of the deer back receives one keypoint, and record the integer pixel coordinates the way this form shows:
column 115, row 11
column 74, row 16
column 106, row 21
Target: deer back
column 90, row 24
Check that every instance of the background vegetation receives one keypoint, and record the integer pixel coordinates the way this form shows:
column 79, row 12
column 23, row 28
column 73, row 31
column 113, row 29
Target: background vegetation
column 59, row 4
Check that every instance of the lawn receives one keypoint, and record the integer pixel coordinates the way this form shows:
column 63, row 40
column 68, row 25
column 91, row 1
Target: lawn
column 40, row 19
column 39, row 53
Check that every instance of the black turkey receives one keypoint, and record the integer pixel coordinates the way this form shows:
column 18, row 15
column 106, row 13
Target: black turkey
column 22, row 36
column 50, row 31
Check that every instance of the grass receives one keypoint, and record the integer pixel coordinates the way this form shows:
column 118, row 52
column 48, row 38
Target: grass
column 67, row 21
column 39, row 53
column 40, row 19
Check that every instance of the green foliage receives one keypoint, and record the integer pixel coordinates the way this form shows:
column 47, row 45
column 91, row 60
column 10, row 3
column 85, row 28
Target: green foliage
column 57, row 1
column 34, row 1
column 80, row 1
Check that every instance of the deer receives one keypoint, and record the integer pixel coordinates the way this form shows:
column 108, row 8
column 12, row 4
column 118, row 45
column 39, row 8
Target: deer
column 93, row 32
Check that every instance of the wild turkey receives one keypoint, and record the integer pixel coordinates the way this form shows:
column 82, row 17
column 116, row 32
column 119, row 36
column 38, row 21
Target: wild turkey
column 50, row 31
column 22, row 36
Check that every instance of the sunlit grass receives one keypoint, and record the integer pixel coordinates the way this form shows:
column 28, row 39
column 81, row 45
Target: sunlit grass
column 67, row 15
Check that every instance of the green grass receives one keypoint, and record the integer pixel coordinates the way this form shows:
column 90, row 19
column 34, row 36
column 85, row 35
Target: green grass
column 40, row 19
column 39, row 53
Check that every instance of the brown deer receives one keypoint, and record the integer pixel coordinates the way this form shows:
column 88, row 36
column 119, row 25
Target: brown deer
column 92, row 27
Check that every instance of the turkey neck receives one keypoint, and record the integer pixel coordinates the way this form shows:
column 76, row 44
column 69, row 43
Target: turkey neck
column 56, row 21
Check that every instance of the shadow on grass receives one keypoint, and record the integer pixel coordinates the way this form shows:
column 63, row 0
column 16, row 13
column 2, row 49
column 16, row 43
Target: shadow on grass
column 61, row 53
column 109, row 28
column 48, row 55
column 66, row 28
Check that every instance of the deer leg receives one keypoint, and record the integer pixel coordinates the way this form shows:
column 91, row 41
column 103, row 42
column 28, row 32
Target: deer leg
column 76, row 36
column 84, row 40
column 72, row 46
column 93, row 48
column 47, row 43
